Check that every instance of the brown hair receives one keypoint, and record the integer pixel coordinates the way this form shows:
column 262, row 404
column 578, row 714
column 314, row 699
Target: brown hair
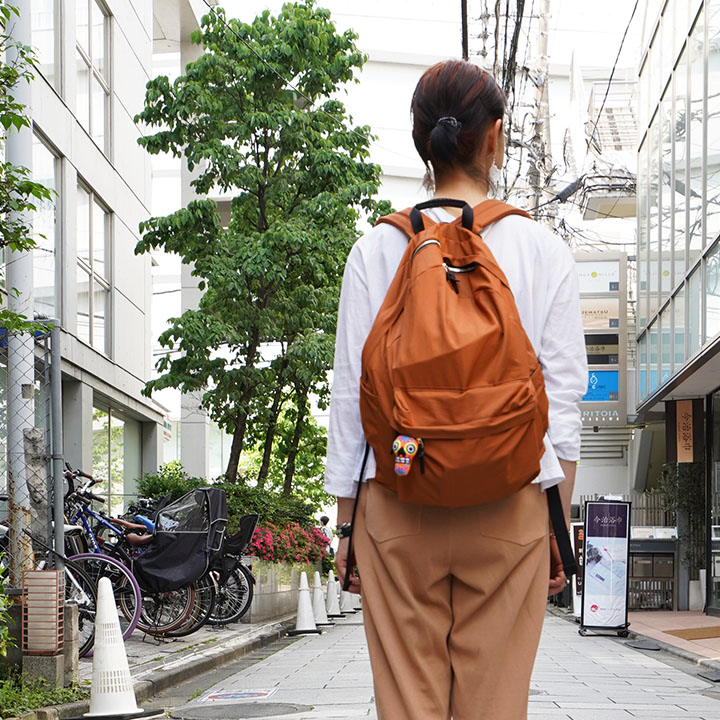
column 453, row 105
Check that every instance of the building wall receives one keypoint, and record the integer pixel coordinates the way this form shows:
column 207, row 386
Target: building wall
column 86, row 148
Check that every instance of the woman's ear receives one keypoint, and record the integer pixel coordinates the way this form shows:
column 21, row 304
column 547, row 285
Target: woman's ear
column 495, row 143
column 499, row 155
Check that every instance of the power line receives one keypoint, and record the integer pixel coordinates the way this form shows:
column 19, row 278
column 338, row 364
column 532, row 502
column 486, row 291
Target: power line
column 610, row 79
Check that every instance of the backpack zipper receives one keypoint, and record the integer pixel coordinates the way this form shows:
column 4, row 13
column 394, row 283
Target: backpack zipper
column 424, row 245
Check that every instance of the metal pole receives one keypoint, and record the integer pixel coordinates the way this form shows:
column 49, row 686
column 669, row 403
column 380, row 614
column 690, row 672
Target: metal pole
column 57, row 438
column 21, row 347
column 464, row 25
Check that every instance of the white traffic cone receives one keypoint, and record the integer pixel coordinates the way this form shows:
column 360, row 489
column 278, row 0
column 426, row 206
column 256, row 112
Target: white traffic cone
column 305, row 622
column 318, row 603
column 347, row 604
column 333, row 604
column 111, row 692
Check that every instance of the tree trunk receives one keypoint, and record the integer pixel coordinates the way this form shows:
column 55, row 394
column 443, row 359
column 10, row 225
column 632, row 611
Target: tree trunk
column 235, row 450
column 270, row 434
column 297, row 434
column 241, row 418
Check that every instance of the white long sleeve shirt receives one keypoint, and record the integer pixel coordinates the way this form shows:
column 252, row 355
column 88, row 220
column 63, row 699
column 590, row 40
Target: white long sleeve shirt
column 542, row 277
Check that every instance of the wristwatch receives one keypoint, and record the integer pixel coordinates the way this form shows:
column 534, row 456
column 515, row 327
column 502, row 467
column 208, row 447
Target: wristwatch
column 344, row 530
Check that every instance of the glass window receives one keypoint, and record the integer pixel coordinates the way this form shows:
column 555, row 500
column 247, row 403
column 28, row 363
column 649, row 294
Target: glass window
column 665, row 344
column 680, row 85
column 653, row 213
column 643, row 97
column 664, row 40
column 654, row 79
column 93, row 89
column 45, row 234
column 642, row 190
column 642, row 368
column 679, row 317
column 713, row 125
column 680, row 23
column 714, row 509
column 42, row 19
column 694, row 301
column 654, row 333
column 108, row 457
column 697, row 91
column 93, row 286
column 666, row 210
column 712, row 293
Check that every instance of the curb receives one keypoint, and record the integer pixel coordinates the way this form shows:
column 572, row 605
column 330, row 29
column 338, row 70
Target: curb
column 176, row 671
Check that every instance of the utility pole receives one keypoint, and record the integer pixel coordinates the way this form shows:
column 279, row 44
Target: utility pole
column 464, row 24
column 21, row 346
column 540, row 142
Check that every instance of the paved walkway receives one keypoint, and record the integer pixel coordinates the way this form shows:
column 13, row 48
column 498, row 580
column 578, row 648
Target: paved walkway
column 575, row 678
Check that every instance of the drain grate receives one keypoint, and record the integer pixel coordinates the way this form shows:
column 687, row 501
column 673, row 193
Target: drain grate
column 238, row 711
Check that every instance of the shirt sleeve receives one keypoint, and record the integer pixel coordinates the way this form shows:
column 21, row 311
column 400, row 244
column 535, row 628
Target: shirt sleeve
column 564, row 363
column 346, row 441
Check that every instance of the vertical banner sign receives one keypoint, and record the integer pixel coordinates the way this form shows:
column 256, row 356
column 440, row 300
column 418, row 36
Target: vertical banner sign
column 684, row 416
column 605, row 569
column 578, row 540
column 684, row 431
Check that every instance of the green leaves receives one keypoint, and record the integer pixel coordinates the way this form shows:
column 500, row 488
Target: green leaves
column 257, row 117
column 19, row 195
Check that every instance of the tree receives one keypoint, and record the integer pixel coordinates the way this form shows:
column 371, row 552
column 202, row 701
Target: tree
column 256, row 116
column 18, row 193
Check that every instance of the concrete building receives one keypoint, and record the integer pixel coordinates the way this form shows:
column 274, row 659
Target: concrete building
column 95, row 57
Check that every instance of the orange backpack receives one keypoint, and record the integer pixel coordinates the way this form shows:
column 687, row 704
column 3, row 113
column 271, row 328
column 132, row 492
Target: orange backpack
column 452, row 396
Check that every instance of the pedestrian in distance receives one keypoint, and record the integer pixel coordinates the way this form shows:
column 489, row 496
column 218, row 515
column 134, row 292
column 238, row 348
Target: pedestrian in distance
column 328, row 533
column 459, row 366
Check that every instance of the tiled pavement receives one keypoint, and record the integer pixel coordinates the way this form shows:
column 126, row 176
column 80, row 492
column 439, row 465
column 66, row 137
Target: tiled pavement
column 575, row 678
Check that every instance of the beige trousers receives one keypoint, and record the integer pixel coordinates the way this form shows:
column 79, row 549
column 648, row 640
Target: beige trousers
column 453, row 601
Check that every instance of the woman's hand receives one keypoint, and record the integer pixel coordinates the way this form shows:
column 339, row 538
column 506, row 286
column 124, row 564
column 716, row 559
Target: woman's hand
column 341, row 560
column 557, row 574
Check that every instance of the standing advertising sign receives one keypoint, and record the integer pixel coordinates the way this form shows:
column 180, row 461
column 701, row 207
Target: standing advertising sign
column 577, row 536
column 605, row 567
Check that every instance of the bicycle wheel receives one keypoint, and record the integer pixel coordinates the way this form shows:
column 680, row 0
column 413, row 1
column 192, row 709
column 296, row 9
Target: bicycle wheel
column 125, row 587
column 80, row 589
column 205, row 593
column 163, row 612
column 234, row 597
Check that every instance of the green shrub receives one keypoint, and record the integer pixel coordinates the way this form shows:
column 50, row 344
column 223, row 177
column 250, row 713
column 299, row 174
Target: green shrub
column 170, row 479
column 5, row 602
column 274, row 508
column 19, row 695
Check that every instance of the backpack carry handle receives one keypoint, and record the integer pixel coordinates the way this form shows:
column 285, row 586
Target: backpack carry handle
column 416, row 215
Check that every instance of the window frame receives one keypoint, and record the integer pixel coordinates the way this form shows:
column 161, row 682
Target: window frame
column 88, row 57
column 104, row 281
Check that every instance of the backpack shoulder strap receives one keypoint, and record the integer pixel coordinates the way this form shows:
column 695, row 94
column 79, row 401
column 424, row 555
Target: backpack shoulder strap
column 490, row 211
column 399, row 220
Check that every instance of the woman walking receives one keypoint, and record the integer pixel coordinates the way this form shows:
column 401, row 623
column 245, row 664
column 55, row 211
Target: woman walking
column 454, row 597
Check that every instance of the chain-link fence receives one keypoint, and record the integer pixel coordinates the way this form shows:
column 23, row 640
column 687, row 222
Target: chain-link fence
column 26, row 477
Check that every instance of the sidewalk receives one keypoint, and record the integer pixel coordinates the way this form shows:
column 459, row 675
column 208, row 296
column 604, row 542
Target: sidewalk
column 328, row 676
column 655, row 624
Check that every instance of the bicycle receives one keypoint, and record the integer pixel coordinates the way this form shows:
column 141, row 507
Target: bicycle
column 79, row 587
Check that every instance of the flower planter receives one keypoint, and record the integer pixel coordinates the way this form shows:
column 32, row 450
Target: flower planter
column 276, row 588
